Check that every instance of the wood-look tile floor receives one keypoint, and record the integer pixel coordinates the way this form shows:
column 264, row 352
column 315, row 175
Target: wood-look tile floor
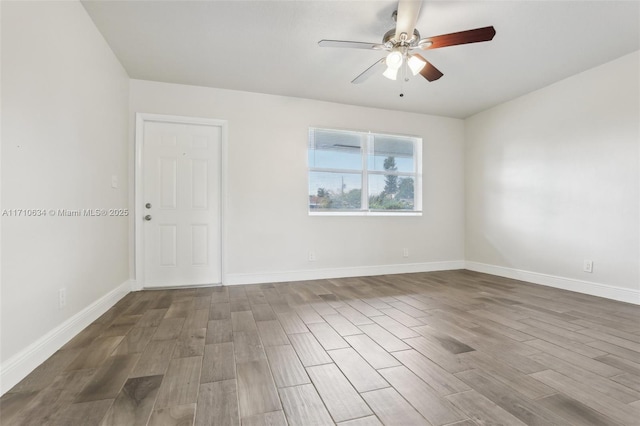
column 442, row 348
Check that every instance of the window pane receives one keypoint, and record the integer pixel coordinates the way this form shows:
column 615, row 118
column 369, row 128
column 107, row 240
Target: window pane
column 335, row 150
column 392, row 153
column 391, row 192
column 335, row 191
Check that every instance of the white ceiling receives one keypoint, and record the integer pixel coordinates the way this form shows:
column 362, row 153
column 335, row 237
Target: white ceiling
column 271, row 47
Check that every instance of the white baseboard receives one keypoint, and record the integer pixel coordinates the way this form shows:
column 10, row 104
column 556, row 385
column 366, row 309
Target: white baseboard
column 360, row 271
column 24, row 362
column 587, row 287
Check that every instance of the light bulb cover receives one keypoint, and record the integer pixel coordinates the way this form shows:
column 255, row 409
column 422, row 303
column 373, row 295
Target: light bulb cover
column 416, row 64
column 391, row 73
column 394, row 60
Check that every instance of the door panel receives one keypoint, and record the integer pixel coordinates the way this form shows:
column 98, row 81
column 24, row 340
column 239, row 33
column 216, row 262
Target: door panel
column 199, row 180
column 168, row 182
column 181, row 181
column 199, row 244
column 168, row 245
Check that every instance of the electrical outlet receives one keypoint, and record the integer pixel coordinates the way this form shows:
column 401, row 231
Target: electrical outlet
column 62, row 298
column 587, row 266
column 312, row 256
column 405, row 252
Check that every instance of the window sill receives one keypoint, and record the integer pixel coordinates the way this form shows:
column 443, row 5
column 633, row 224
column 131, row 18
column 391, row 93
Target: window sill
column 365, row 213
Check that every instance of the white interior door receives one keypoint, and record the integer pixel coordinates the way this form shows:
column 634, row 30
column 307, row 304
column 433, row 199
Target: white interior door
column 181, row 197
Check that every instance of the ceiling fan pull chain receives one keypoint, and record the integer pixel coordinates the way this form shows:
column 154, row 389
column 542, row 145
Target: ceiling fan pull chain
column 405, row 70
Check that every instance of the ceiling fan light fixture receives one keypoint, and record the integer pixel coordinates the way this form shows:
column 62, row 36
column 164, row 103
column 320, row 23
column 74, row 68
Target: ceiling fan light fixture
column 391, row 73
column 416, row 64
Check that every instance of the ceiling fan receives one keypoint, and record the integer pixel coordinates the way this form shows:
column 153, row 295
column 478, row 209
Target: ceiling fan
column 402, row 41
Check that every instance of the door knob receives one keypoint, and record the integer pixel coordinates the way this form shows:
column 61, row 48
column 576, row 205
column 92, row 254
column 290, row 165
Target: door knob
column 147, row 217
column 148, row 205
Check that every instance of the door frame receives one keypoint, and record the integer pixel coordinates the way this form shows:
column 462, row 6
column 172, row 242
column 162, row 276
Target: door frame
column 138, row 210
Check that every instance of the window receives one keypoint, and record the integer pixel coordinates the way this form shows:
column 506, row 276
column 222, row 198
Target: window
column 364, row 173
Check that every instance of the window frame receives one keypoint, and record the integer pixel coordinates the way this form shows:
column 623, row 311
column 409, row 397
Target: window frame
column 366, row 147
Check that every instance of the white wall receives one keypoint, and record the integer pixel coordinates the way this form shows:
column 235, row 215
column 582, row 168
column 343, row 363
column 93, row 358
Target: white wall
column 268, row 229
column 64, row 134
column 552, row 178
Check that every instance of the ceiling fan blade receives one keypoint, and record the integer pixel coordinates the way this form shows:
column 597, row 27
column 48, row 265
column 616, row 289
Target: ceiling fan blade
column 429, row 72
column 373, row 69
column 350, row 44
column 462, row 37
column 407, row 17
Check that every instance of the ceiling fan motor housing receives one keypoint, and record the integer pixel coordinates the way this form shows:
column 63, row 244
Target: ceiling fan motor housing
column 389, row 39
